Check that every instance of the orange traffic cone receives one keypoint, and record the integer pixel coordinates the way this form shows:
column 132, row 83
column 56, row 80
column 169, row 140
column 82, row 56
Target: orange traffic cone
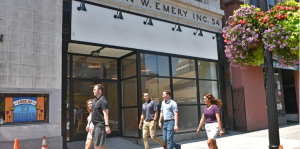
column 44, row 146
column 280, row 147
column 16, row 145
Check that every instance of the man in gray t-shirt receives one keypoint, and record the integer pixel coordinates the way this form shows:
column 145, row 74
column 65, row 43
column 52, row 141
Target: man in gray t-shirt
column 149, row 117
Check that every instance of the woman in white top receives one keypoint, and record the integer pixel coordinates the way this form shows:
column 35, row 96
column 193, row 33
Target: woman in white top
column 89, row 127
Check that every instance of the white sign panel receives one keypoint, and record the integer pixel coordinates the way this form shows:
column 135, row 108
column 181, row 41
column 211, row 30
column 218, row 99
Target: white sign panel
column 176, row 11
column 98, row 25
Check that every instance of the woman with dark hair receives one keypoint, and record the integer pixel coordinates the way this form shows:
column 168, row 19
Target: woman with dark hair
column 89, row 127
column 211, row 116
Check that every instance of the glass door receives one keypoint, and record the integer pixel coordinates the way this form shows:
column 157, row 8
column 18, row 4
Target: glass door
column 83, row 73
column 83, row 91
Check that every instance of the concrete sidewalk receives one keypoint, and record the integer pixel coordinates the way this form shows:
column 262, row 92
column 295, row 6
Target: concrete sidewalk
column 289, row 138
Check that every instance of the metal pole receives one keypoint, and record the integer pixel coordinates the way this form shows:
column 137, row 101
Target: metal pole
column 274, row 141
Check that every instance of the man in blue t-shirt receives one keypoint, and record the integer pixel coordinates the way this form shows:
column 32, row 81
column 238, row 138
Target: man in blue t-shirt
column 169, row 111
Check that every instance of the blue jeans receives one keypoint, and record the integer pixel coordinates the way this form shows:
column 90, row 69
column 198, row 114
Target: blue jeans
column 168, row 133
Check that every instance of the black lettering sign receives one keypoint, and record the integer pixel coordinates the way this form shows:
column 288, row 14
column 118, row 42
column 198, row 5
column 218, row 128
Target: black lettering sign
column 130, row 0
column 213, row 21
column 166, row 9
column 204, row 18
column 218, row 22
column 185, row 12
column 173, row 10
column 145, row 3
column 179, row 12
column 157, row 4
column 198, row 17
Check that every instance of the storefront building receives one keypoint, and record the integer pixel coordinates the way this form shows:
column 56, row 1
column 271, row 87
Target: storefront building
column 248, row 88
column 138, row 46
column 52, row 53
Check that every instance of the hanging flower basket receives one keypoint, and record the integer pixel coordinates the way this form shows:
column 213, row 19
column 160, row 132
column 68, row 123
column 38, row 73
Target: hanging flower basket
column 282, row 32
column 242, row 36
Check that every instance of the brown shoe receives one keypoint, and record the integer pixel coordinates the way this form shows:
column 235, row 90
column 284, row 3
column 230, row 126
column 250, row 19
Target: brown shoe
column 165, row 146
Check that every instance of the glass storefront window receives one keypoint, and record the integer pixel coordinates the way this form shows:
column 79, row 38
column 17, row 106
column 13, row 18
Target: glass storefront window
column 129, row 93
column 208, row 87
column 185, row 91
column 188, row 118
column 129, row 66
column 68, row 67
column 154, row 65
column 83, row 91
column 155, row 87
column 184, row 68
column 130, row 122
column 94, row 67
column 24, row 108
column 111, row 93
column 207, row 70
column 68, row 110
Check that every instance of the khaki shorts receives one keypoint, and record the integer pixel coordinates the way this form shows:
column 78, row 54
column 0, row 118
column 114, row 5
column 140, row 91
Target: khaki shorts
column 99, row 136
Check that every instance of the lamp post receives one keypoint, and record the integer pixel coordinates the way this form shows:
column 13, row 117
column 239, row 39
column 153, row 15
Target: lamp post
column 274, row 141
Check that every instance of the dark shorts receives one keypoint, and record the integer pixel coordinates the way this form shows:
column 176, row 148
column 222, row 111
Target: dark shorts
column 99, row 136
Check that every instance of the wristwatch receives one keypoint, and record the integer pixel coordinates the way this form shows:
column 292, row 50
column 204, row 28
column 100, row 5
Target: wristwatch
column 106, row 125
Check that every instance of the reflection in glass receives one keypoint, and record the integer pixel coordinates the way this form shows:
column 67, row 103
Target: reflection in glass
column 129, row 66
column 185, row 91
column 68, row 67
column 154, row 65
column 83, row 91
column 111, row 93
column 207, row 70
column 183, row 68
column 94, row 67
column 188, row 118
column 68, row 110
column 129, row 92
column 130, row 122
column 155, row 87
column 208, row 87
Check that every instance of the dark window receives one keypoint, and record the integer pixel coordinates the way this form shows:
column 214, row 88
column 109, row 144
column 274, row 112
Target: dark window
column 271, row 3
column 94, row 67
column 207, row 70
column 130, row 122
column 254, row 2
column 185, row 91
column 129, row 92
column 184, row 68
column 154, row 65
column 155, row 86
column 129, row 66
